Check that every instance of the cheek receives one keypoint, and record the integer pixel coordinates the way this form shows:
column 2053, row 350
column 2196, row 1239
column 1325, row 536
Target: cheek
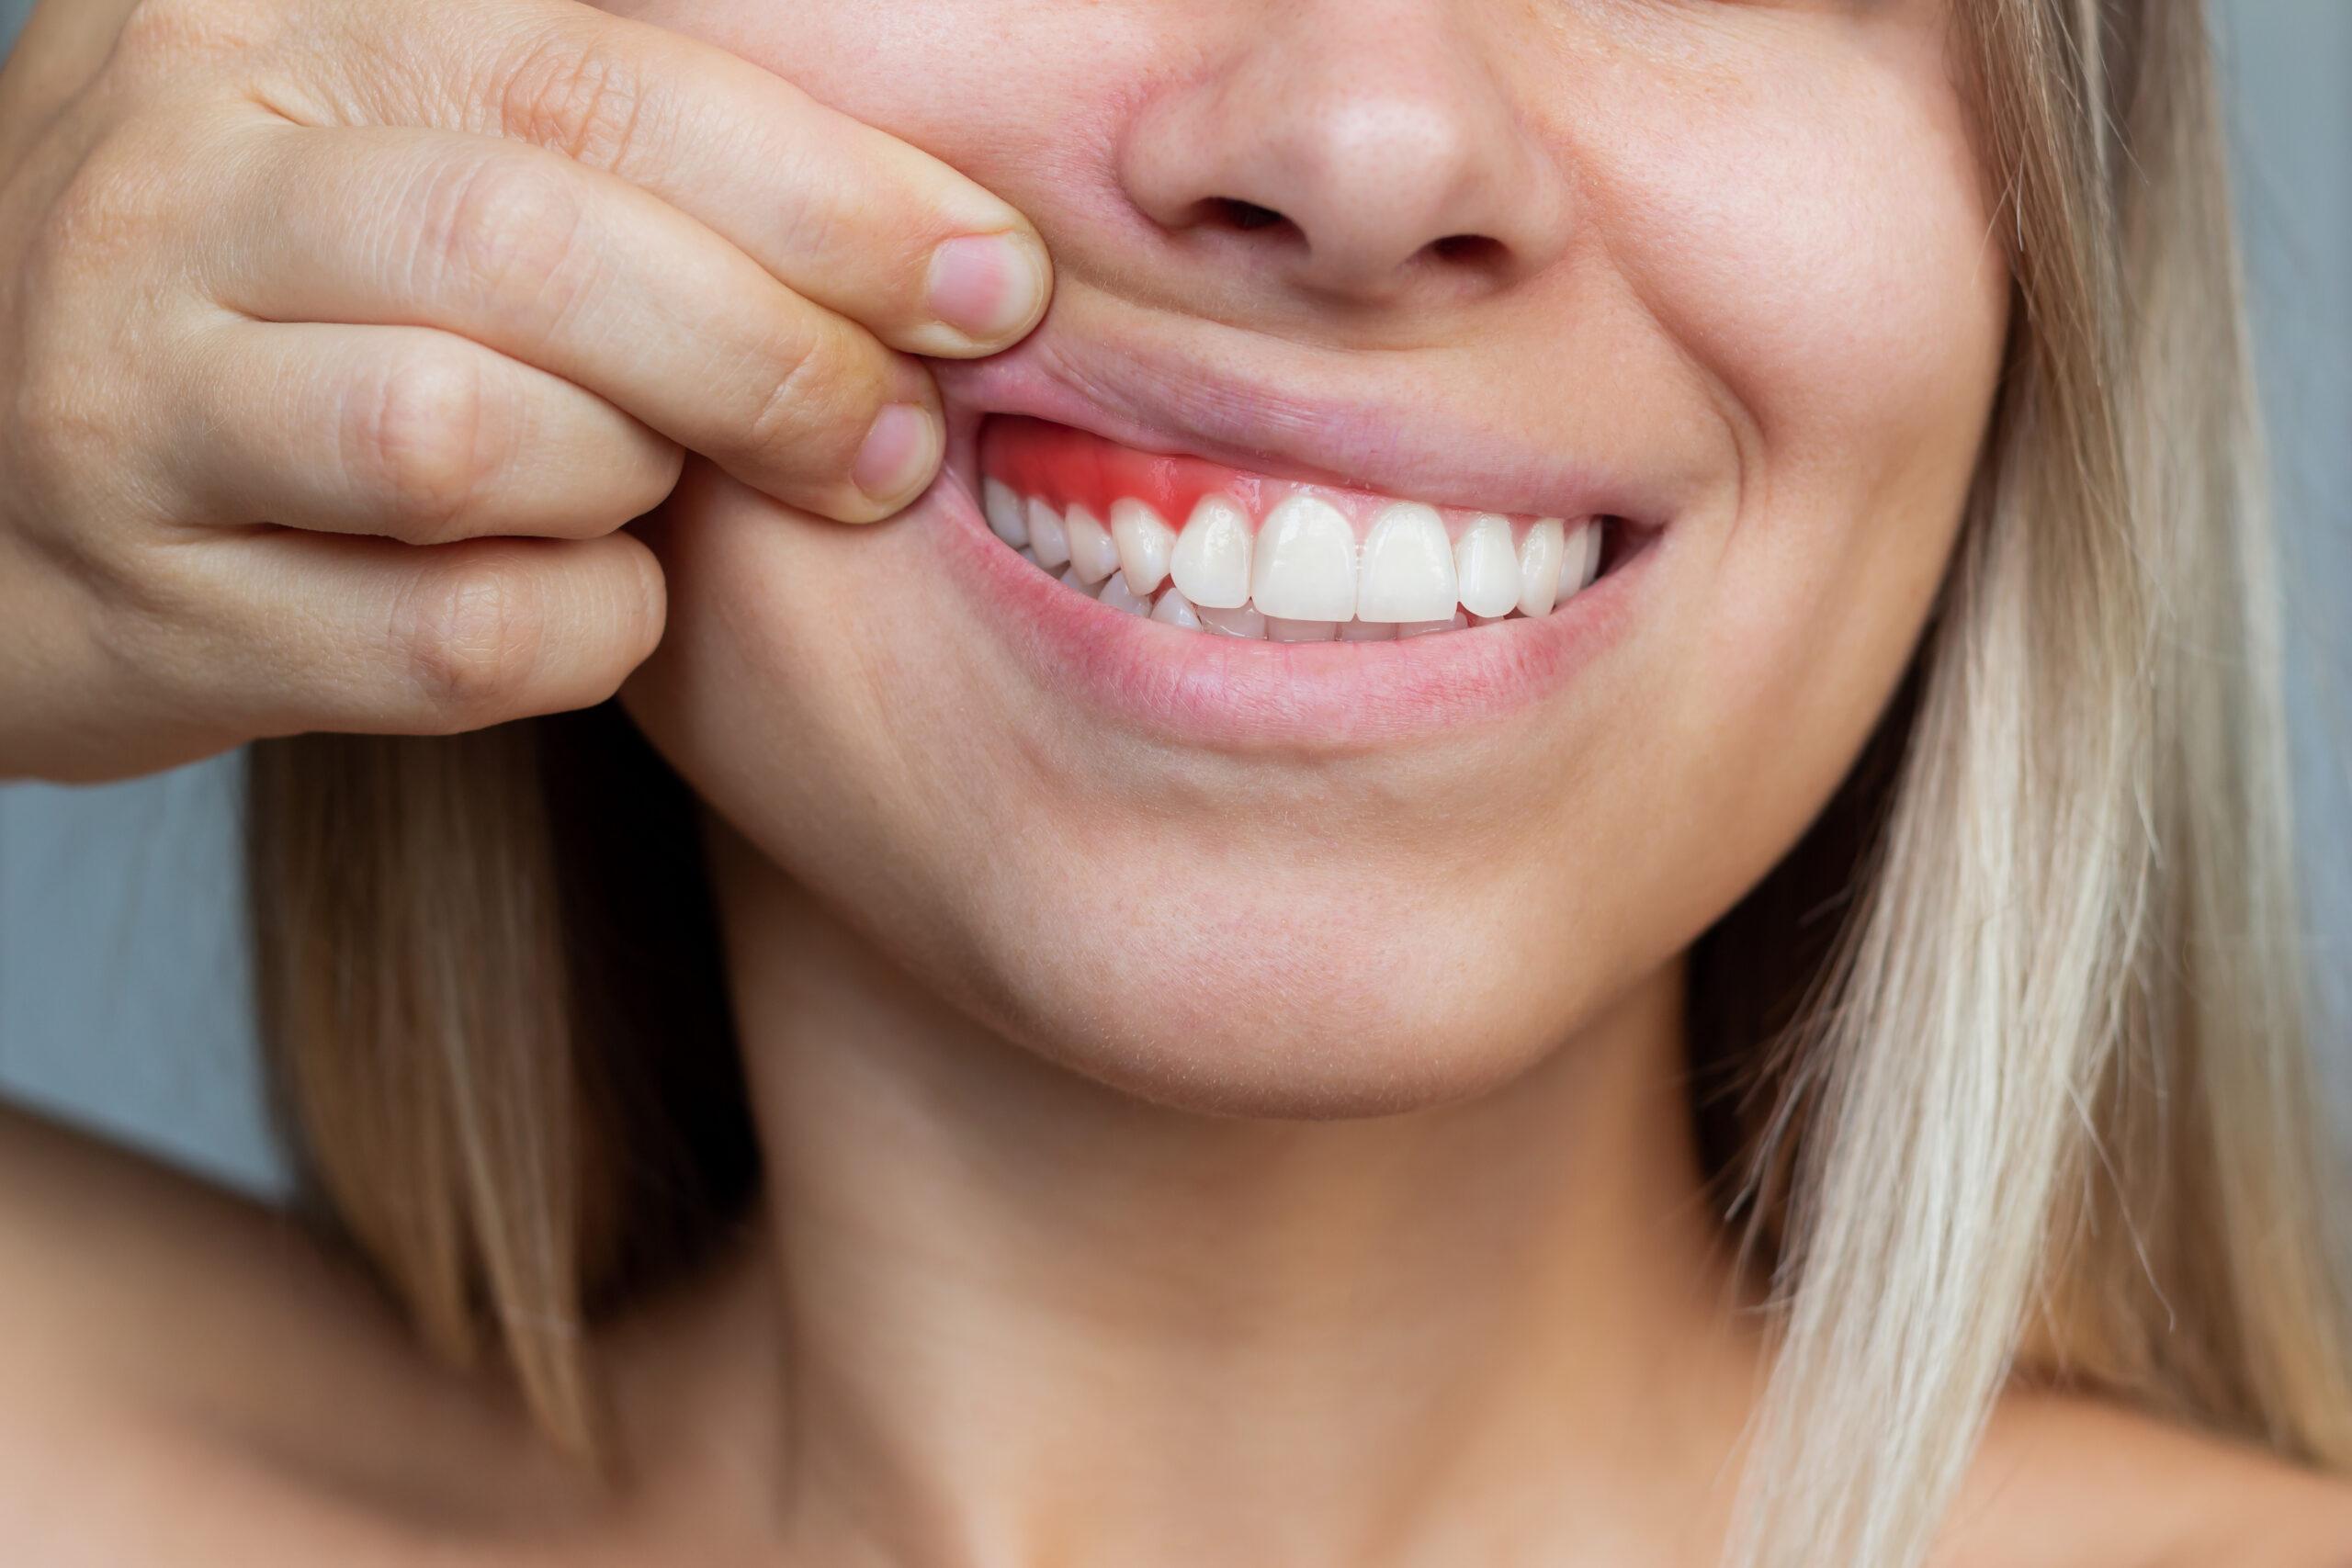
column 1816, row 240
column 1031, row 114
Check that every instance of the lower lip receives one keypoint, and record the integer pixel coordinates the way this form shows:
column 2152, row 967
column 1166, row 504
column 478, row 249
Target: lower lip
column 1244, row 696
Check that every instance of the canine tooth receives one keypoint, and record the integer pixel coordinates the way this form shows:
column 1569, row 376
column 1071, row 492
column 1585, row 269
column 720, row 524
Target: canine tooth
column 1173, row 609
column 1415, row 628
column 1030, row 556
column 1367, row 631
column 1280, row 628
column 1540, row 555
column 1045, row 536
column 1408, row 566
column 1231, row 620
column 1069, row 577
column 1114, row 593
column 1144, row 540
column 1306, row 565
column 1486, row 566
column 1211, row 560
column 1003, row 509
column 1090, row 549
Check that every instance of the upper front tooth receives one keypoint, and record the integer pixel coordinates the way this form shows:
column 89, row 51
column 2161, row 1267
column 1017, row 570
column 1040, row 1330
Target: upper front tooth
column 1306, row 567
column 1045, row 536
column 1003, row 509
column 1211, row 560
column 1090, row 549
column 1145, row 541
column 1408, row 566
column 1487, row 566
column 1539, row 567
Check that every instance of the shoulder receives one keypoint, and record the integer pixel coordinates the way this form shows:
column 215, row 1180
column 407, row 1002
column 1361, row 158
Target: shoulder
column 2069, row 1481
column 202, row 1346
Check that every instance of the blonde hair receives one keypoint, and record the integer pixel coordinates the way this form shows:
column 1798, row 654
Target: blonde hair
column 2032, row 1101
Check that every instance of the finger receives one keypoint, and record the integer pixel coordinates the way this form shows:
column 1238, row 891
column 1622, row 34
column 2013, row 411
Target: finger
column 588, row 277
column 406, row 431
column 846, row 214
column 318, row 631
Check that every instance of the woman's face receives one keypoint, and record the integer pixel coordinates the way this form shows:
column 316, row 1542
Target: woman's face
column 1720, row 270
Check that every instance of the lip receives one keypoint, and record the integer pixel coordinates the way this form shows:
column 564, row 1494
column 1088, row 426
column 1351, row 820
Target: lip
column 1168, row 401
column 1245, row 697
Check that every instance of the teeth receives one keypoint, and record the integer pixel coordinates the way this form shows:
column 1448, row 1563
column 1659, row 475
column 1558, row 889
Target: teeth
column 1211, row 560
column 1090, row 549
column 1045, row 536
column 1003, row 511
column 1583, row 558
column 1299, row 577
column 1114, row 593
column 1279, row 629
column 1145, row 542
column 1415, row 628
column 1408, row 566
column 1486, row 566
column 1231, row 621
column 1539, row 567
column 1306, row 567
column 1173, row 609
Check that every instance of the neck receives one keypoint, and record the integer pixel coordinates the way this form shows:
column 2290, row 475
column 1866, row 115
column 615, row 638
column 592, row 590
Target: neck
column 1023, row 1317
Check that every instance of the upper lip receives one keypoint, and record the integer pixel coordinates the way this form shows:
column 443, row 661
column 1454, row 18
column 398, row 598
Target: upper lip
column 1162, row 400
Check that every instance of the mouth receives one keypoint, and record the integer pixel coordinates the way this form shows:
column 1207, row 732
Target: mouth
column 1321, row 583
column 1206, row 548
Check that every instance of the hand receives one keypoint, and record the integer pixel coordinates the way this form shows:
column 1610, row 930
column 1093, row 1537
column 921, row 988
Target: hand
column 338, row 341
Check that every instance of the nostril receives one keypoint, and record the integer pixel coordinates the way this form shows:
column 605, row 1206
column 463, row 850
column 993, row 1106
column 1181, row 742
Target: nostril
column 1477, row 250
column 1242, row 214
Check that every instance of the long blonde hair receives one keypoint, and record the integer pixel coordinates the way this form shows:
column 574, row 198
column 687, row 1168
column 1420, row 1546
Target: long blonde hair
column 2006, row 1066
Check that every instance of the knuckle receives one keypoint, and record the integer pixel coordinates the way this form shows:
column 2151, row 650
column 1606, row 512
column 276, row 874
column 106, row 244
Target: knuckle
column 69, row 437
column 504, row 233
column 799, row 396
column 470, row 633
column 583, row 98
column 169, row 34
column 101, row 218
column 418, row 436
column 53, row 424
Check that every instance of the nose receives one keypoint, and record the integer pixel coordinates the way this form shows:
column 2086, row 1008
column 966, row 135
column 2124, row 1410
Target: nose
column 1365, row 149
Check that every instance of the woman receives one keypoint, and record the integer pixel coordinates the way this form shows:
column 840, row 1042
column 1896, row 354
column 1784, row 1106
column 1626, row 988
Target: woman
column 1555, row 838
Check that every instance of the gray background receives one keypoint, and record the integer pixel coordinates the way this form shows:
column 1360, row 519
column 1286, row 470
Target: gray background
column 122, row 977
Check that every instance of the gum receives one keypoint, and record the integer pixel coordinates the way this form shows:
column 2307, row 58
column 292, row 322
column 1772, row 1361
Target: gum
column 1065, row 467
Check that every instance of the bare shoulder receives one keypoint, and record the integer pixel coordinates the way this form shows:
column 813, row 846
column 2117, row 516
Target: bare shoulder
column 2093, row 1486
column 204, row 1344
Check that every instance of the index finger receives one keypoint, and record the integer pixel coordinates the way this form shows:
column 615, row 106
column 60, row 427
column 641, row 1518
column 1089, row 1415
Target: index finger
column 842, row 213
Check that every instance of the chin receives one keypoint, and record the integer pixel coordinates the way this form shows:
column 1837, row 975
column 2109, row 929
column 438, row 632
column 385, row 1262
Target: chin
column 1311, row 996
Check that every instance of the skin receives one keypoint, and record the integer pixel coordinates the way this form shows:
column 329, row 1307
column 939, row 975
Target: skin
column 1178, row 1154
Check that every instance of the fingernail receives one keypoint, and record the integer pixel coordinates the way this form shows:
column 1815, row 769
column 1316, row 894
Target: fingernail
column 987, row 286
column 896, row 455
